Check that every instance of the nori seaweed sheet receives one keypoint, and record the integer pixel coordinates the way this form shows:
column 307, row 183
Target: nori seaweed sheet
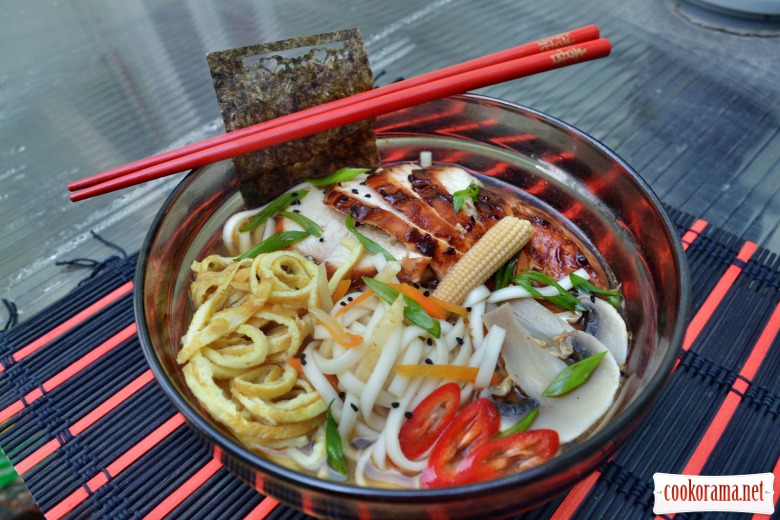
column 256, row 83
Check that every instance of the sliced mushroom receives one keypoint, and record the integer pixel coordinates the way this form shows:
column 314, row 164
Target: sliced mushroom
column 608, row 326
column 544, row 325
column 533, row 369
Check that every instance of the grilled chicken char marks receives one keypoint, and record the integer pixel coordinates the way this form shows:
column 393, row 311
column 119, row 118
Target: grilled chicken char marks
column 333, row 254
column 555, row 253
column 397, row 225
column 492, row 208
column 415, row 206
column 429, row 185
column 393, row 189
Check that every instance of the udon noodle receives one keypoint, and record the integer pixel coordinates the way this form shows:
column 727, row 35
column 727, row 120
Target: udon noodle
column 355, row 363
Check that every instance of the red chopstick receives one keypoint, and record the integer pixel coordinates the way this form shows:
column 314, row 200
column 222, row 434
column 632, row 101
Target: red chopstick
column 348, row 110
column 579, row 35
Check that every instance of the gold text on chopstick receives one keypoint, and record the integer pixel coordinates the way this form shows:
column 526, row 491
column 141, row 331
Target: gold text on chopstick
column 554, row 42
column 568, row 55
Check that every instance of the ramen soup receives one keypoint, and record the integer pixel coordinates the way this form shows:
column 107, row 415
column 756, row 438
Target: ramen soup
column 417, row 326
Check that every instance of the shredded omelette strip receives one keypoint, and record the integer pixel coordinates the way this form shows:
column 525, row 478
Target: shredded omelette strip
column 250, row 316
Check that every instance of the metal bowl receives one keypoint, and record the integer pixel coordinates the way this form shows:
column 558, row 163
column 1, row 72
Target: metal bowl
column 607, row 203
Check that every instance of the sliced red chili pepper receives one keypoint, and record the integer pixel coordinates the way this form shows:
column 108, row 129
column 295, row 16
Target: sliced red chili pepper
column 508, row 455
column 428, row 420
column 472, row 427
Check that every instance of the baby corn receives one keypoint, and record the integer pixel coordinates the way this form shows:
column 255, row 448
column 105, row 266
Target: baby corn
column 494, row 249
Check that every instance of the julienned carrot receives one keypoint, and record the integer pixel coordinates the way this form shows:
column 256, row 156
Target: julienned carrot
column 344, row 337
column 450, row 307
column 363, row 297
column 431, row 307
column 298, row 366
column 341, row 290
column 460, row 373
column 295, row 363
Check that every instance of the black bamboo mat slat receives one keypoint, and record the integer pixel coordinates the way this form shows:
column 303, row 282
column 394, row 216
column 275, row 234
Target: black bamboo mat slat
column 93, row 435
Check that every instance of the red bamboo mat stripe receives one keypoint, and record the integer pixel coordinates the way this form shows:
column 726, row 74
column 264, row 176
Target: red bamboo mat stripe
column 87, row 421
column 187, row 489
column 115, row 468
column 72, row 322
column 716, row 296
column 691, row 235
column 263, row 509
column 68, row 372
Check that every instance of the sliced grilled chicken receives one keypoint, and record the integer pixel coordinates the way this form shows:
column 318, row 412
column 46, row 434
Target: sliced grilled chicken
column 330, row 250
column 368, row 206
column 414, row 206
column 395, row 185
column 551, row 248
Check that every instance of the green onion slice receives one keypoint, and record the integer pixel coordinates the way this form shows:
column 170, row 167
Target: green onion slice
column 367, row 242
column 522, row 425
column 333, row 444
column 573, row 376
column 274, row 243
column 563, row 299
column 459, row 197
column 582, row 286
column 342, row 175
column 305, row 222
column 275, row 206
column 412, row 312
column 505, row 272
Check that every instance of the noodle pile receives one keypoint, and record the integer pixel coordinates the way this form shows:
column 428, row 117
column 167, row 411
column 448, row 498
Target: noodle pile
column 249, row 319
column 375, row 399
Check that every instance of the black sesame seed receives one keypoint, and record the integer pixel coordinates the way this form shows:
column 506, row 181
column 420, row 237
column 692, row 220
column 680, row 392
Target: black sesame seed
column 354, row 190
column 296, row 211
column 473, row 220
column 408, row 415
column 426, row 293
column 303, row 361
column 368, row 195
column 363, row 183
column 382, row 192
column 303, row 356
column 395, row 404
column 593, row 298
column 459, row 340
column 350, row 298
column 342, row 395
column 428, row 361
column 468, row 309
column 322, row 240
column 449, row 251
column 354, row 406
column 341, row 184
column 343, row 304
column 429, row 341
